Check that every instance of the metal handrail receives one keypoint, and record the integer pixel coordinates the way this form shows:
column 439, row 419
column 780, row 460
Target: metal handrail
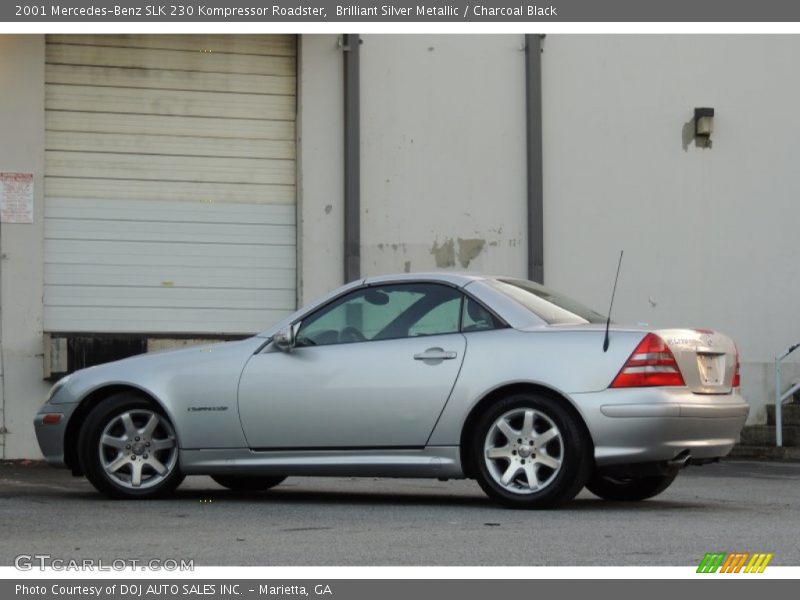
column 780, row 398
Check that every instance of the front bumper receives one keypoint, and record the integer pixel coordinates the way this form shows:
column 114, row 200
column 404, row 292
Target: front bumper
column 51, row 436
column 657, row 424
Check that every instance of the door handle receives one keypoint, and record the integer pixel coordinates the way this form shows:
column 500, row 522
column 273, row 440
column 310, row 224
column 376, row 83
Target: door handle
column 436, row 354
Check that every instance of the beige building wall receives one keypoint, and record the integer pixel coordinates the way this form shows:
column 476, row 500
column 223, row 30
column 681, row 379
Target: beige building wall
column 710, row 234
column 443, row 176
column 21, row 245
column 320, row 166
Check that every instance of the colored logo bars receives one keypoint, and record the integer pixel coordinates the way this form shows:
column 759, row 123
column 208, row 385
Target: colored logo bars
column 736, row 562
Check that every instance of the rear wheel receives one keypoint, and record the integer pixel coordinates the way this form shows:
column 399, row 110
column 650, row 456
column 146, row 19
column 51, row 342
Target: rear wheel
column 245, row 483
column 128, row 448
column 629, row 488
column 530, row 452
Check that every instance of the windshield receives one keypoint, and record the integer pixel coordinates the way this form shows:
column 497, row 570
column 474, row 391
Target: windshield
column 552, row 307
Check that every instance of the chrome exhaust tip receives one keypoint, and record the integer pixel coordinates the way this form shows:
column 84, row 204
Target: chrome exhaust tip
column 679, row 462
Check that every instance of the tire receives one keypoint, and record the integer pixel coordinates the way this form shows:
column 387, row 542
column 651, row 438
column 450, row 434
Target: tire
column 629, row 488
column 246, row 483
column 125, row 435
column 541, row 461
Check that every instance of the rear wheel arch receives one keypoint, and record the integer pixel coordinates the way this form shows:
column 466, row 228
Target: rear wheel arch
column 502, row 392
column 85, row 406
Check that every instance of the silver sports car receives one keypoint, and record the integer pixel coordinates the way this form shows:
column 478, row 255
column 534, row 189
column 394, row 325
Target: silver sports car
column 420, row 375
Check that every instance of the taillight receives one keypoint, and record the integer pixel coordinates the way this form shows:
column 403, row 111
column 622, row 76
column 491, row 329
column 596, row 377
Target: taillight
column 651, row 364
column 737, row 381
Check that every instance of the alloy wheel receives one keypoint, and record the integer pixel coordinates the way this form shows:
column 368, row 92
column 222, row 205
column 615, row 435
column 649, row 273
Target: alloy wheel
column 523, row 450
column 138, row 449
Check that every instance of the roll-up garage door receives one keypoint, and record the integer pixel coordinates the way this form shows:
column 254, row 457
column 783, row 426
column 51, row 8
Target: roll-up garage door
column 169, row 183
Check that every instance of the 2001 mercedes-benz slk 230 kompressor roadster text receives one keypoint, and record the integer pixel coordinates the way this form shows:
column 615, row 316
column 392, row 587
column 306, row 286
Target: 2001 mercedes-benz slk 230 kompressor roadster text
column 420, row 375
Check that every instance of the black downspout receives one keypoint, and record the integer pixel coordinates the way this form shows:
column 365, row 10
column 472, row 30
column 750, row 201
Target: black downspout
column 352, row 159
column 533, row 111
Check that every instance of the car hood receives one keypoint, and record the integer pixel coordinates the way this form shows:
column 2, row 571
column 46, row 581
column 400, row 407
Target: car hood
column 155, row 369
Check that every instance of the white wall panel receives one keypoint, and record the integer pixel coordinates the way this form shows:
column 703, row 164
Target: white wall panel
column 169, row 102
column 158, row 124
column 709, row 233
column 146, row 58
column 170, row 80
column 170, row 183
column 138, row 259
column 121, row 320
column 181, row 145
column 147, row 167
column 137, row 189
column 21, row 247
column 273, row 45
column 443, row 153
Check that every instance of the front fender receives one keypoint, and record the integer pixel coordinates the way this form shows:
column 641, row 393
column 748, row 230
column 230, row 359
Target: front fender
column 196, row 387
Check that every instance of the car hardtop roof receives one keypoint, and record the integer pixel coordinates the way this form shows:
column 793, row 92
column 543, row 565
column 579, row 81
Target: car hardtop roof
column 454, row 278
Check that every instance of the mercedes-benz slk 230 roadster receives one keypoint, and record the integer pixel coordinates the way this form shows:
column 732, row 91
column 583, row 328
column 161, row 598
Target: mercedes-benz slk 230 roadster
column 419, row 375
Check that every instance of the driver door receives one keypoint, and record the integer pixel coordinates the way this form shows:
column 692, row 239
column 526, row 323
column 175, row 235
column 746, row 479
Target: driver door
column 372, row 369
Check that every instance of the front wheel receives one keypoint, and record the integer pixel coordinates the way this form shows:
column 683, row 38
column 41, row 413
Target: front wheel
column 247, row 483
column 530, row 452
column 128, row 448
column 629, row 488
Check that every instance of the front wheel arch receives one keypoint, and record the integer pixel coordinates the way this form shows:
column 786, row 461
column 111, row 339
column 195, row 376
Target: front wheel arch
column 85, row 406
column 106, row 428
column 502, row 392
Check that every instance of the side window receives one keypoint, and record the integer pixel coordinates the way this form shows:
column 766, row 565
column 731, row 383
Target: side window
column 382, row 313
column 477, row 318
column 442, row 319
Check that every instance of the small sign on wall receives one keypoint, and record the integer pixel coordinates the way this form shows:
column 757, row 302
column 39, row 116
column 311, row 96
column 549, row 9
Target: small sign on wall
column 16, row 197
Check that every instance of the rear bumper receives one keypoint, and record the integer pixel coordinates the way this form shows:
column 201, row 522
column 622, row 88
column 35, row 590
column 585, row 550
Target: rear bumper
column 658, row 424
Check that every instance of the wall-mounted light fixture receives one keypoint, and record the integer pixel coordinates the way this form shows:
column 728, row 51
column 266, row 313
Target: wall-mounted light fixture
column 703, row 124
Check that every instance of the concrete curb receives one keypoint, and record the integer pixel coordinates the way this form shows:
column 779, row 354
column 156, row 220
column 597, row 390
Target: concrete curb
column 785, row 453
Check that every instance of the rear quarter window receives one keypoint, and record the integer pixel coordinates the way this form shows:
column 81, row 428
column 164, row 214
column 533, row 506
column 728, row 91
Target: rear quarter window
column 552, row 307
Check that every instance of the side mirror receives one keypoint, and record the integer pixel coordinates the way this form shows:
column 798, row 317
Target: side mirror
column 285, row 339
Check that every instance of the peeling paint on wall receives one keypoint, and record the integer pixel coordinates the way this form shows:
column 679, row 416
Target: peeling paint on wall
column 445, row 255
column 396, row 247
column 469, row 249
column 407, row 267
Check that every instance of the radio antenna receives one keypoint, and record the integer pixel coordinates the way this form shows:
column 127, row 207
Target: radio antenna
column 613, row 293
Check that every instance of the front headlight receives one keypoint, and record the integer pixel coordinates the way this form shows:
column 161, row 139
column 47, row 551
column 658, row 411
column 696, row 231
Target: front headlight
column 58, row 385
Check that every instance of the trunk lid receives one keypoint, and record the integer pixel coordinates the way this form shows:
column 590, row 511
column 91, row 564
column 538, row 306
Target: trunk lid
column 706, row 359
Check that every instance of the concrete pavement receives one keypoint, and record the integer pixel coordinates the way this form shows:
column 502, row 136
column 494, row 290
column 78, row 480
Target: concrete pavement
column 744, row 506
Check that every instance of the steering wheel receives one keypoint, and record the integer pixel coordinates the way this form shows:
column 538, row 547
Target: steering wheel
column 351, row 334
